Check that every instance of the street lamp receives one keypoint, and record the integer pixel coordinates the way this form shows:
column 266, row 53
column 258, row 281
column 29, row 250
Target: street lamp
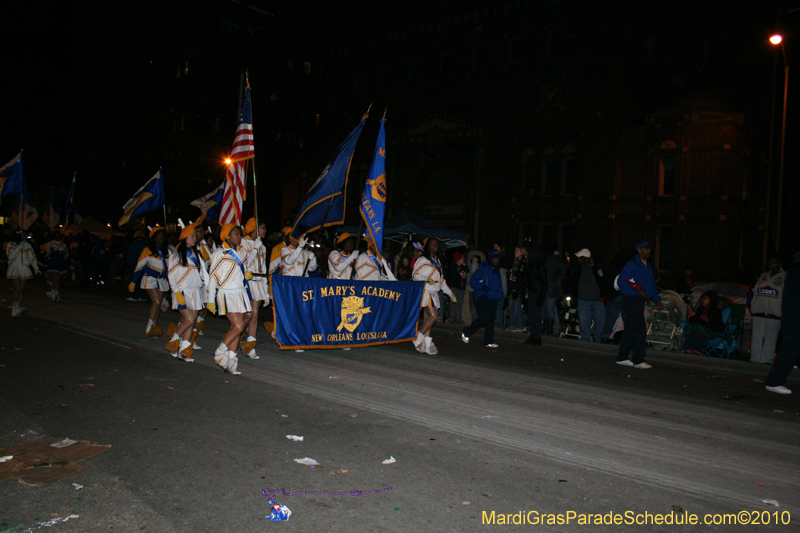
column 778, row 40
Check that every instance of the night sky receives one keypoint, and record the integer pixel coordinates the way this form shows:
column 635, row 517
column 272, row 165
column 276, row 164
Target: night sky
column 92, row 89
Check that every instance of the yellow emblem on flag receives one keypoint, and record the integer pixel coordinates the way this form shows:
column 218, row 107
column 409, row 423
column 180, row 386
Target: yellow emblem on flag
column 352, row 311
column 378, row 188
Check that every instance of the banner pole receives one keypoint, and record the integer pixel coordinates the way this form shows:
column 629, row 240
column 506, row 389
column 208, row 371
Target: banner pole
column 319, row 231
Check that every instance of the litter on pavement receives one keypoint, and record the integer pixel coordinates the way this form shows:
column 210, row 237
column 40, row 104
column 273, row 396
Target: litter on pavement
column 63, row 443
column 307, row 461
column 771, row 502
column 389, row 461
column 37, row 463
column 295, row 438
column 279, row 512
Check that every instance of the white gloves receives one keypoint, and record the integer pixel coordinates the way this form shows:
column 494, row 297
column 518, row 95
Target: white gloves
column 355, row 254
column 302, row 242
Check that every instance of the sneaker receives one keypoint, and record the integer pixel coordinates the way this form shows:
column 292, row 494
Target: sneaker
column 464, row 339
column 625, row 362
column 780, row 389
column 643, row 366
column 493, row 345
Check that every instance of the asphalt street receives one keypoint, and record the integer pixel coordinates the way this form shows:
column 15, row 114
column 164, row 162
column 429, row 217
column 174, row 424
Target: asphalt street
column 554, row 429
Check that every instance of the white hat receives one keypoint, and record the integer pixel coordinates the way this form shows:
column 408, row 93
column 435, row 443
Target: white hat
column 584, row 253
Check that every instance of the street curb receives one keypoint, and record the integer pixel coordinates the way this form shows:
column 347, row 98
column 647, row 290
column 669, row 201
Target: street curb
column 653, row 356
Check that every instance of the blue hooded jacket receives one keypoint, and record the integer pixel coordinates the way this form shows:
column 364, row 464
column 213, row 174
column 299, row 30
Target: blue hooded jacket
column 486, row 280
column 638, row 273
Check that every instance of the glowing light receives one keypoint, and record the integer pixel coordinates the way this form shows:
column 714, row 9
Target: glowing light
column 109, row 225
column 776, row 39
column 228, row 161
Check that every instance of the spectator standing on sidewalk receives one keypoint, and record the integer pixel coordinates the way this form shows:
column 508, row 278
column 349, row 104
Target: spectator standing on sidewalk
column 638, row 284
column 609, row 290
column 765, row 307
column 789, row 352
column 555, row 272
column 537, row 289
column 488, row 288
column 590, row 308
column 457, row 280
column 517, row 288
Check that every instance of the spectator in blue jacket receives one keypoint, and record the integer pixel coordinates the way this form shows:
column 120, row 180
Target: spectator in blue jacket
column 488, row 286
column 638, row 284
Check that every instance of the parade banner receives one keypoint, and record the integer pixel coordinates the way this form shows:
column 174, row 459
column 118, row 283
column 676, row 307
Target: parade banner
column 328, row 313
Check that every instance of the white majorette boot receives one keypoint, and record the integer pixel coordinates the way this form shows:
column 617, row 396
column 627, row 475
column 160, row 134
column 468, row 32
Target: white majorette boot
column 186, row 352
column 249, row 348
column 430, row 348
column 173, row 345
column 200, row 326
column 195, row 333
column 221, row 356
column 15, row 310
column 233, row 363
column 419, row 344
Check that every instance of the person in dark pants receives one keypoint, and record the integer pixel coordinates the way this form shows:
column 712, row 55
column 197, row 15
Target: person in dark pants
column 537, row 290
column 789, row 352
column 638, row 283
column 488, row 291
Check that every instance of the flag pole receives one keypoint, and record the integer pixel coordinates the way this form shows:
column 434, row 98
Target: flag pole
column 66, row 221
column 319, row 231
column 161, row 177
column 21, row 194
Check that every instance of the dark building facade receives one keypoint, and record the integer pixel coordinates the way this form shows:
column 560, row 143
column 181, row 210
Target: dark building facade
column 578, row 124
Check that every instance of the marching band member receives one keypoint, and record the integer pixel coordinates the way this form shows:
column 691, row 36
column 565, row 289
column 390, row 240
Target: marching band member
column 370, row 268
column 227, row 290
column 205, row 256
column 259, row 287
column 152, row 270
column 21, row 259
column 294, row 258
column 429, row 269
column 57, row 254
column 187, row 275
column 340, row 261
column 275, row 254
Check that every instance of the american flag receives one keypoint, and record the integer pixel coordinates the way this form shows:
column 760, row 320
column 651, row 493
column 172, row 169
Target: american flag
column 234, row 194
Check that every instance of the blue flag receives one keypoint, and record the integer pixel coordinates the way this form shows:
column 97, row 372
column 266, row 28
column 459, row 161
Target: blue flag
column 25, row 213
column 325, row 201
column 373, row 201
column 146, row 199
column 51, row 216
column 11, row 177
column 210, row 203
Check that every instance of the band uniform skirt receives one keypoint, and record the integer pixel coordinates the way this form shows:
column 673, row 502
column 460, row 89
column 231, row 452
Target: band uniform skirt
column 233, row 301
column 194, row 299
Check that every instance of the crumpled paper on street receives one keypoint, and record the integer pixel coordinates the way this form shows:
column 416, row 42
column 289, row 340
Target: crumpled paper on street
column 307, row 461
column 389, row 461
column 296, row 438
